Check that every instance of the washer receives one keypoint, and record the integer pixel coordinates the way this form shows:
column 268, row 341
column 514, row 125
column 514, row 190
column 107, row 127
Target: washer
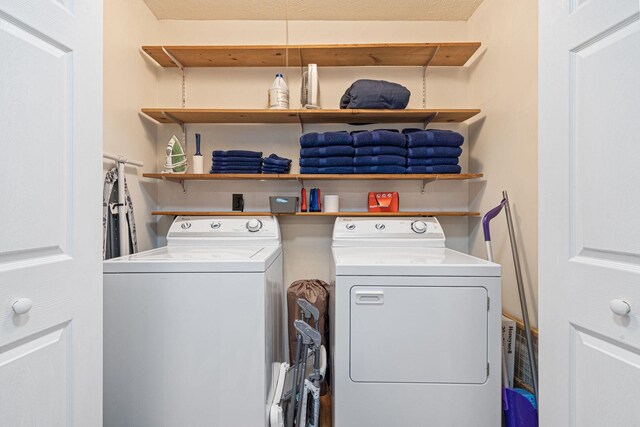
column 193, row 332
column 415, row 327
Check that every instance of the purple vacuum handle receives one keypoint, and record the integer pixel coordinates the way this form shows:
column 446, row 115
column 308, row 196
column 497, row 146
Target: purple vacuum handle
column 488, row 217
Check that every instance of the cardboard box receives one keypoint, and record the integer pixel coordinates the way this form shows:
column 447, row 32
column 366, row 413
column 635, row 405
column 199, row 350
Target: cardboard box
column 383, row 201
column 509, row 346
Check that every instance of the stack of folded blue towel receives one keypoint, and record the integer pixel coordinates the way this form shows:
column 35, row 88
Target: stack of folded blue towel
column 379, row 151
column 236, row 161
column 276, row 164
column 433, row 151
column 329, row 152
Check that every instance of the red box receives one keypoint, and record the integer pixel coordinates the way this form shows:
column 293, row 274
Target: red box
column 383, row 202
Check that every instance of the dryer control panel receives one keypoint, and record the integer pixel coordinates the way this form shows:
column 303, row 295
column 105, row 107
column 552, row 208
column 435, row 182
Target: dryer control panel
column 382, row 231
column 229, row 231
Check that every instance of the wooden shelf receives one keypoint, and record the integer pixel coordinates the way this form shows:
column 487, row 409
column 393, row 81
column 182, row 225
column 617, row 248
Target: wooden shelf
column 289, row 177
column 325, row 214
column 206, row 115
column 330, row 55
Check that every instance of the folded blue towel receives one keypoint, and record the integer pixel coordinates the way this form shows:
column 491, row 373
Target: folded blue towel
column 236, row 153
column 332, row 151
column 379, row 169
column 275, row 172
column 379, row 160
column 434, row 169
column 336, row 169
column 327, row 139
column 276, row 160
column 364, row 138
column 234, row 171
column 273, row 166
column 278, row 163
column 221, row 163
column 237, row 167
column 381, row 150
column 281, row 170
column 326, row 161
column 236, row 159
column 431, row 161
column 434, row 152
column 433, row 138
column 270, row 166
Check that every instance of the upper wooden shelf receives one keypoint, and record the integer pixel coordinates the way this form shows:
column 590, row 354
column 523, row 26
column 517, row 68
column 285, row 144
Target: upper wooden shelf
column 205, row 115
column 284, row 177
column 329, row 55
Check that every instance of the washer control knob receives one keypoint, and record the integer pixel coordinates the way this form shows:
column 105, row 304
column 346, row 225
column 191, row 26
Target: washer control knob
column 419, row 227
column 185, row 225
column 351, row 226
column 254, row 225
column 215, row 225
column 380, row 226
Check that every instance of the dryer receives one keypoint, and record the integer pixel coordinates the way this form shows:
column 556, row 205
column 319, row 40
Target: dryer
column 415, row 327
column 194, row 331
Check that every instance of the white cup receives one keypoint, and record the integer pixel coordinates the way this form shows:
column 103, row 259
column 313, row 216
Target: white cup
column 331, row 203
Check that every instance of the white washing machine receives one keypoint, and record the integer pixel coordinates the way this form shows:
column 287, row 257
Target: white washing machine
column 193, row 332
column 415, row 327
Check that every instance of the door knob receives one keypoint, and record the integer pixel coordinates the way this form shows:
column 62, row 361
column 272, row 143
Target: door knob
column 22, row 306
column 619, row 307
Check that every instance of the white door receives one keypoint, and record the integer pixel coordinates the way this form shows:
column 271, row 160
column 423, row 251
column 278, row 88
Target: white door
column 50, row 210
column 589, row 230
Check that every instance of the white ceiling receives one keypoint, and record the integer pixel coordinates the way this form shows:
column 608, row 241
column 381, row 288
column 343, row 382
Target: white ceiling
column 315, row 10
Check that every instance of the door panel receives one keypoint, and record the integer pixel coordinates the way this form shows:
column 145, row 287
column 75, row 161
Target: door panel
column 605, row 136
column 613, row 367
column 34, row 375
column 446, row 327
column 50, row 245
column 589, row 234
column 35, row 73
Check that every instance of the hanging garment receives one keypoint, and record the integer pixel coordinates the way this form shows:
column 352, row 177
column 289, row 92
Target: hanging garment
column 110, row 225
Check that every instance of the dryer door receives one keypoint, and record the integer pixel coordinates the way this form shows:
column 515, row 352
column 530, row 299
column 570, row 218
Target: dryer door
column 419, row 334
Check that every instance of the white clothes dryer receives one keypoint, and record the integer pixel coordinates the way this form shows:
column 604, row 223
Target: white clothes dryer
column 415, row 327
column 193, row 332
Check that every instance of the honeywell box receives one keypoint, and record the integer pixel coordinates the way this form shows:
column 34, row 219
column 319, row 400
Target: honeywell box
column 509, row 346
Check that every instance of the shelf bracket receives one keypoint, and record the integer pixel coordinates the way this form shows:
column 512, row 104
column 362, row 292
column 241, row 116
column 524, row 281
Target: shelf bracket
column 425, row 182
column 173, row 59
column 182, row 183
column 430, row 119
column 301, row 123
column 174, row 119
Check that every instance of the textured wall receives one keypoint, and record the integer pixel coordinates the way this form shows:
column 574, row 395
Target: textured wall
column 129, row 82
column 307, row 10
column 504, row 141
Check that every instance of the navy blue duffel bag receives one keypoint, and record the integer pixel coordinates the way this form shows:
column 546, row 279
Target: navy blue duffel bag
column 375, row 94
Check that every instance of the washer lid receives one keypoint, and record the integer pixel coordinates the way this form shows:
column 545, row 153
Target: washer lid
column 195, row 259
column 409, row 261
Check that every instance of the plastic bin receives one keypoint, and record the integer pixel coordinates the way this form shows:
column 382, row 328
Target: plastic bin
column 283, row 204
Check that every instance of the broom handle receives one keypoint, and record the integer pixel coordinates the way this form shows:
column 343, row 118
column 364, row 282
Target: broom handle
column 523, row 298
